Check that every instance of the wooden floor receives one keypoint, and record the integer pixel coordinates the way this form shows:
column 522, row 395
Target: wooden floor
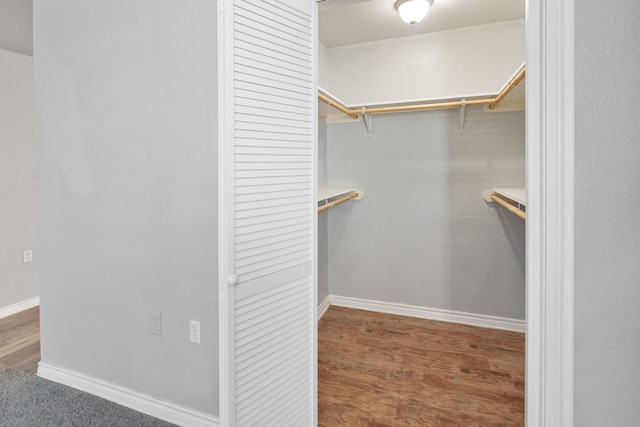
column 380, row 370
column 20, row 340
column 383, row 370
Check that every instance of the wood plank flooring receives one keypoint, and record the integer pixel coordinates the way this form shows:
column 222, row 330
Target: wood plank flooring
column 383, row 370
column 20, row 340
column 380, row 370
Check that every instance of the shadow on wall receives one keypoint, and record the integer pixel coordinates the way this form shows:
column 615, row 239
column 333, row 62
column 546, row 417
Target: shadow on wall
column 515, row 231
column 487, row 246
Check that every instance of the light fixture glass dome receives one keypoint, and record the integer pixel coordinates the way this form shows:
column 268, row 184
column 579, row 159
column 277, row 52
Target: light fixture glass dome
column 413, row 11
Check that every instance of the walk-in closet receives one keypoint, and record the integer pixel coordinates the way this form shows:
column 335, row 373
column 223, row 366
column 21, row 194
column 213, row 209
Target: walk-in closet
column 422, row 209
column 313, row 212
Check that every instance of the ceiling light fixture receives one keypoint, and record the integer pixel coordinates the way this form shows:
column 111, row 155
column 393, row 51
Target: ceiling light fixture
column 413, row 11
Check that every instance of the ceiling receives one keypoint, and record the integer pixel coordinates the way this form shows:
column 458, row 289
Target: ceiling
column 344, row 22
column 16, row 26
column 341, row 22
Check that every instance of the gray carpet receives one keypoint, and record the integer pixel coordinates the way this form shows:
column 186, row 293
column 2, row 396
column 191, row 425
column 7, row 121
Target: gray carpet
column 30, row 401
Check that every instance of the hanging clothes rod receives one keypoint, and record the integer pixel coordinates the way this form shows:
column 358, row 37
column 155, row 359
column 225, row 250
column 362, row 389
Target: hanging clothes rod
column 491, row 102
column 339, row 196
column 508, row 88
column 503, row 200
column 337, row 202
column 337, row 105
column 431, row 106
column 513, row 209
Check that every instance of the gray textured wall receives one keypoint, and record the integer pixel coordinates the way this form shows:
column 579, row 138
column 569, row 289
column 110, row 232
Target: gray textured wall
column 607, row 311
column 18, row 281
column 127, row 156
column 423, row 235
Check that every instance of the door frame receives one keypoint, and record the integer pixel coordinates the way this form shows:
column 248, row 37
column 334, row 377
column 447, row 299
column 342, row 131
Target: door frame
column 550, row 111
column 550, row 117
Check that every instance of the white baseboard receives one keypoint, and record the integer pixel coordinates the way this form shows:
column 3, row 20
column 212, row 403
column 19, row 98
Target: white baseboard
column 166, row 411
column 19, row 306
column 324, row 306
column 480, row 320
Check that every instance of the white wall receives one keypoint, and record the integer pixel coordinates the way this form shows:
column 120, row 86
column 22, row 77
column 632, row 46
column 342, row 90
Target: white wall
column 448, row 64
column 126, row 149
column 18, row 281
column 323, row 63
column 423, row 235
column 607, row 291
column 323, row 249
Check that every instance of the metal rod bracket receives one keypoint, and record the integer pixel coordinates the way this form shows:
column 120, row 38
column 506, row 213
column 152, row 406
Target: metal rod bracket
column 367, row 120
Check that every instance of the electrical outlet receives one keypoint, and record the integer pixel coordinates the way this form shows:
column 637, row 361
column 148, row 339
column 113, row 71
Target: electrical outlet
column 27, row 256
column 194, row 331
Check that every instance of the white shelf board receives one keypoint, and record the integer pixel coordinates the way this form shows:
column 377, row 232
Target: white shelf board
column 329, row 193
column 518, row 195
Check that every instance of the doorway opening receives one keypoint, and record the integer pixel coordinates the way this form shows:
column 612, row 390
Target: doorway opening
column 415, row 244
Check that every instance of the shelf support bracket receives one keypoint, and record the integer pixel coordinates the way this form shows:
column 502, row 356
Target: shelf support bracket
column 463, row 104
column 367, row 119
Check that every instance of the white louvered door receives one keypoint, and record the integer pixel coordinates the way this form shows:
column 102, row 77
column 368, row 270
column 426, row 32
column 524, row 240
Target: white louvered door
column 267, row 212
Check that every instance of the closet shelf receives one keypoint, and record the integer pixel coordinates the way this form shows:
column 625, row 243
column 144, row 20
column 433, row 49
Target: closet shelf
column 512, row 199
column 330, row 197
column 491, row 102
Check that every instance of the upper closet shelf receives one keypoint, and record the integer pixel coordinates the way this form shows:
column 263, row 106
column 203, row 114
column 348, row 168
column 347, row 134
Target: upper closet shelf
column 330, row 197
column 518, row 195
column 512, row 199
column 490, row 102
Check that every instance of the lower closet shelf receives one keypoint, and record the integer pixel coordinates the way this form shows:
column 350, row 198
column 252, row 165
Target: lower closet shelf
column 330, row 197
column 512, row 199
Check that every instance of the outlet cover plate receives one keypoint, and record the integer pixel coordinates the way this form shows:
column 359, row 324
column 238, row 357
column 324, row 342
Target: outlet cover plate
column 194, row 332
